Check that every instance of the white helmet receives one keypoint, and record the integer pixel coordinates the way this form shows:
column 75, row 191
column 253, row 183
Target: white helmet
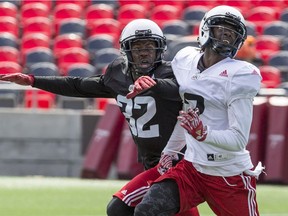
column 215, row 17
column 142, row 29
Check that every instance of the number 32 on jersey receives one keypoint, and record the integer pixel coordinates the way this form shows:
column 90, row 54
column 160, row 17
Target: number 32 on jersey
column 138, row 113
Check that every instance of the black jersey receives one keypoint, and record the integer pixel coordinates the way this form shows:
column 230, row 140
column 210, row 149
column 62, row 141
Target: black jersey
column 151, row 115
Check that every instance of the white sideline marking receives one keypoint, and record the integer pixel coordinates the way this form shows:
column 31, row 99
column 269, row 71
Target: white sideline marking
column 39, row 181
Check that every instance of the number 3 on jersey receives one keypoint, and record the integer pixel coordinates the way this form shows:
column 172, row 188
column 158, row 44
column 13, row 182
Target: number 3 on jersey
column 138, row 113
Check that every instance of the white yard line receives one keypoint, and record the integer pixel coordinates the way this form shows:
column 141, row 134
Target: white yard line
column 38, row 181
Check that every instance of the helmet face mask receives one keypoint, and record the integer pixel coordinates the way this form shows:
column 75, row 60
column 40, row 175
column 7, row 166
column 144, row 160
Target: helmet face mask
column 230, row 20
column 142, row 31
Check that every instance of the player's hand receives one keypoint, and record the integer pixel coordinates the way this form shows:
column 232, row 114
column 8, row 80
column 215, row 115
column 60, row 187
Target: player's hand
column 193, row 124
column 18, row 78
column 166, row 162
column 141, row 84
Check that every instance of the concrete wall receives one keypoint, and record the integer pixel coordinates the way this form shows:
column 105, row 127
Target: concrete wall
column 41, row 142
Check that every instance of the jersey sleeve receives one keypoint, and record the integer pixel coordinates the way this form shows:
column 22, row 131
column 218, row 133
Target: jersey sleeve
column 167, row 89
column 244, row 86
column 245, row 83
column 176, row 141
column 91, row 87
column 235, row 138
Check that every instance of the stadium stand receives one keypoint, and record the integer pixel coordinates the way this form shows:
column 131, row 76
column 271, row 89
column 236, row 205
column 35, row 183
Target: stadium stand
column 33, row 10
column 95, row 43
column 42, row 25
column 9, row 25
column 70, row 56
column 103, row 57
column 9, row 53
column 65, row 41
column 43, row 69
column 7, row 67
column 267, row 45
column 81, row 70
column 193, row 15
column 260, row 16
column 129, row 12
column 38, row 54
column 8, row 9
column 8, row 39
column 65, row 11
column 48, row 3
column 164, row 13
column 276, row 28
column 271, row 76
column 98, row 11
column 72, row 26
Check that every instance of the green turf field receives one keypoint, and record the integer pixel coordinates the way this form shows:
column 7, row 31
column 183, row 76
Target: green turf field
column 39, row 196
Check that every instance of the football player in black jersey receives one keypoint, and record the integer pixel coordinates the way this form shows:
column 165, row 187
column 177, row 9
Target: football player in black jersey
column 151, row 115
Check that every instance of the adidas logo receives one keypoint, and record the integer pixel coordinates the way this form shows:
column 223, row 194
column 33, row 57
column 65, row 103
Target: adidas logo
column 224, row 73
column 124, row 192
column 254, row 72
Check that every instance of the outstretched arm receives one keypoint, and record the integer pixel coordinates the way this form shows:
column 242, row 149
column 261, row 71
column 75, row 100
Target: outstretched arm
column 18, row 78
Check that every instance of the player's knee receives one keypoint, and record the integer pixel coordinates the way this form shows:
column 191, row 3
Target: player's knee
column 117, row 207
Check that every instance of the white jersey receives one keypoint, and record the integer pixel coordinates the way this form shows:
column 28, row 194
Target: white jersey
column 224, row 95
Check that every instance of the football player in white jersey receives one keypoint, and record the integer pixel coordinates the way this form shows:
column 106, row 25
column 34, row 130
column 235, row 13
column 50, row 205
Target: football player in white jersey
column 217, row 92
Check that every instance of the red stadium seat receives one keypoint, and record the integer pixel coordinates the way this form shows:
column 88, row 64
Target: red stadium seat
column 277, row 4
column 48, row 3
column 260, row 16
column 8, row 9
column 240, row 4
column 33, row 10
column 9, row 25
column 161, row 14
column 103, row 146
column 105, row 26
column 70, row 56
column 42, row 25
column 267, row 45
column 65, row 11
column 129, row 12
column 98, row 11
column 210, row 3
column 34, row 40
column 271, row 76
column 179, row 4
column 276, row 162
column 82, row 3
column 146, row 3
column 39, row 99
column 8, row 53
column 10, row 67
column 65, row 41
